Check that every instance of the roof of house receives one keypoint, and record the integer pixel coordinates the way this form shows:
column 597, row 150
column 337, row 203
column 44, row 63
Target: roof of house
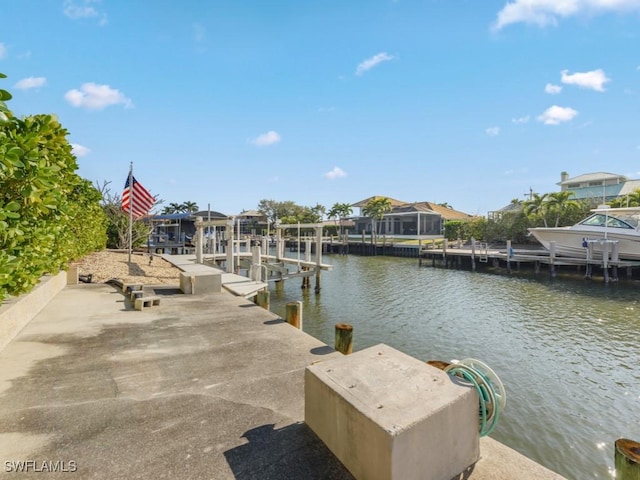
column 629, row 186
column 593, row 177
column 363, row 203
column 426, row 207
column 448, row 213
column 251, row 213
column 206, row 213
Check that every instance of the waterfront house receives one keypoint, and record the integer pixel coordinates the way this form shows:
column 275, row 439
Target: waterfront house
column 600, row 187
column 252, row 222
column 174, row 233
column 408, row 219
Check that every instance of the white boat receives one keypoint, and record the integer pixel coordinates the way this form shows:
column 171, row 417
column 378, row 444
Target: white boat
column 605, row 228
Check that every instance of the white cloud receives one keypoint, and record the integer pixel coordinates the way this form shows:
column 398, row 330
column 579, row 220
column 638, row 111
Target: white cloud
column 3, row 51
column 369, row 63
column 79, row 9
column 96, row 97
column 30, row 82
column 552, row 89
column 337, row 172
column 555, row 115
column 524, row 119
column 547, row 12
column 267, row 139
column 79, row 150
column 493, row 131
column 594, row 79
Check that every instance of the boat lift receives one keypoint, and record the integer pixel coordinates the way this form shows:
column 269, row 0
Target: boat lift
column 259, row 264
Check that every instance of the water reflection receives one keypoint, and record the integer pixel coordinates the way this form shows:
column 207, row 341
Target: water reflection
column 567, row 351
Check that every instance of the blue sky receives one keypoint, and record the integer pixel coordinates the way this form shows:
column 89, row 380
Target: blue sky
column 229, row 102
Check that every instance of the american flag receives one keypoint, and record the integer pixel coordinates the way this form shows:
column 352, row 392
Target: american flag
column 142, row 199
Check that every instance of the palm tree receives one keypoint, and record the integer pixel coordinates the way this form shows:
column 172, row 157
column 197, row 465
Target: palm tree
column 171, row 208
column 630, row 200
column 189, row 207
column 561, row 203
column 340, row 211
column 375, row 209
column 537, row 206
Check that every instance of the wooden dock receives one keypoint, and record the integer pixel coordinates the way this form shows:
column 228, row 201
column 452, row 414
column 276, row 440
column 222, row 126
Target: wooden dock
column 509, row 259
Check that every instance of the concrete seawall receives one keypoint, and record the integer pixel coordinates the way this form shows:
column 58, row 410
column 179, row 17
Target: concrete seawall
column 16, row 312
column 197, row 387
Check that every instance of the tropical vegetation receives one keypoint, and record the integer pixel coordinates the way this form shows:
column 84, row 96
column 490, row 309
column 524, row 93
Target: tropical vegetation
column 186, row 207
column 49, row 215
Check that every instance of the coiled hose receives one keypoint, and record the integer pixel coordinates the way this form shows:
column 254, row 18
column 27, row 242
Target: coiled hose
column 491, row 393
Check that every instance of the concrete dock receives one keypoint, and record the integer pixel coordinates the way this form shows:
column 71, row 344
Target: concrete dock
column 198, row 387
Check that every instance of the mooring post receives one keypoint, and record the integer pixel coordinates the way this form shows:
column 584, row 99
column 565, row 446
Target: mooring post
column 294, row 314
column 279, row 244
column 344, row 338
column 509, row 255
column 256, row 264
column 614, row 260
column 552, row 259
column 262, row 299
column 229, row 238
column 199, row 237
column 627, row 459
column 473, row 254
column 605, row 260
column 318, row 257
column 445, row 244
column 589, row 267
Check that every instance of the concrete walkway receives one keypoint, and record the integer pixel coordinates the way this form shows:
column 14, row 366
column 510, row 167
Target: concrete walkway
column 199, row 387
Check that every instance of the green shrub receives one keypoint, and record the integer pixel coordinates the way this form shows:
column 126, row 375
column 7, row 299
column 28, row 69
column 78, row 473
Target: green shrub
column 48, row 214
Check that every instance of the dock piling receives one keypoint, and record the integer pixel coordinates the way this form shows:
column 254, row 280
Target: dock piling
column 294, row 314
column 262, row 299
column 344, row 338
column 627, row 459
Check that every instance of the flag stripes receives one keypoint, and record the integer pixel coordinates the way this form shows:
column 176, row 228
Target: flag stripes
column 142, row 200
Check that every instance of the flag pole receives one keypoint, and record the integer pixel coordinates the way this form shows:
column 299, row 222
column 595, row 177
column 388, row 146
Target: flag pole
column 130, row 210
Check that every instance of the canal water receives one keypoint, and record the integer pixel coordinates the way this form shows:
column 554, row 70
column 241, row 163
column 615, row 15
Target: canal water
column 568, row 352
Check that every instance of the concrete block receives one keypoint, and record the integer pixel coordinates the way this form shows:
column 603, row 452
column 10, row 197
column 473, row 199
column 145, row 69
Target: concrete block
column 387, row 415
column 198, row 283
column 142, row 302
column 72, row 275
column 127, row 288
column 136, row 294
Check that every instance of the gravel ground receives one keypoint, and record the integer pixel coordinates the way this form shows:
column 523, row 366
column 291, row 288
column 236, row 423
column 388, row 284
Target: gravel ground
column 109, row 264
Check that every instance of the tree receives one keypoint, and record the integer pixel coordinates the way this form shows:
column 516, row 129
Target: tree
column 171, row 208
column 312, row 214
column 376, row 209
column 630, row 200
column 118, row 221
column 275, row 210
column 340, row 211
column 189, row 207
column 537, row 207
column 561, row 204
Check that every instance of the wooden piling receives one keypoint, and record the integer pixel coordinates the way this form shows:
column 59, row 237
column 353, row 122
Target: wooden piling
column 294, row 314
column 627, row 459
column 262, row 299
column 344, row 338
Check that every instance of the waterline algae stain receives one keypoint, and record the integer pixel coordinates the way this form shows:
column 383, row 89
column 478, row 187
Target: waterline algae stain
column 568, row 352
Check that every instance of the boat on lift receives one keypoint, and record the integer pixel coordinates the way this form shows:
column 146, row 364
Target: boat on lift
column 605, row 228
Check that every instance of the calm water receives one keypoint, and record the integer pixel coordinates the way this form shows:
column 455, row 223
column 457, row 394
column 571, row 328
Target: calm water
column 567, row 352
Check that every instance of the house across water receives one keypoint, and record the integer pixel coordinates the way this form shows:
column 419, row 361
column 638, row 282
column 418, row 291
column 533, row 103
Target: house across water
column 417, row 218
